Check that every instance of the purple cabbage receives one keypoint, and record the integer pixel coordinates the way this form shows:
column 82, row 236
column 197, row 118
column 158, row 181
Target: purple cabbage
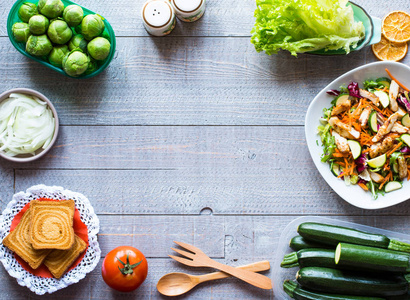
column 333, row 92
column 361, row 164
column 354, row 89
column 403, row 101
column 362, row 181
column 405, row 150
column 378, row 127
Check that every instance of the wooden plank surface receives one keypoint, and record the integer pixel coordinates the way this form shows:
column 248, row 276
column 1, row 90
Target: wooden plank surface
column 222, row 18
column 182, row 170
column 192, row 137
column 181, row 81
column 242, row 240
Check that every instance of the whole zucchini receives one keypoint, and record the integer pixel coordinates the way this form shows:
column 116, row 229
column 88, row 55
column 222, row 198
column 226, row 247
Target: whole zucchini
column 298, row 243
column 298, row 293
column 351, row 283
column 333, row 235
column 371, row 259
column 313, row 257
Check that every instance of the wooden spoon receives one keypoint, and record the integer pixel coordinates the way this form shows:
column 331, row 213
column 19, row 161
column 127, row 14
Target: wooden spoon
column 175, row 284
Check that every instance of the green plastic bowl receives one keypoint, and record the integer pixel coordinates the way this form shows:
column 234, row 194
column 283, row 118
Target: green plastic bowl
column 21, row 47
column 372, row 26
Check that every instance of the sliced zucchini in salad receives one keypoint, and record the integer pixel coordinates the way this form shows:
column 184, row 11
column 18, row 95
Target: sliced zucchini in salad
column 395, row 167
column 406, row 138
column 342, row 98
column 377, row 162
column 373, row 121
column 406, row 120
column 355, row 148
column 384, row 80
column 383, row 97
column 392, row 186
column 335, row 168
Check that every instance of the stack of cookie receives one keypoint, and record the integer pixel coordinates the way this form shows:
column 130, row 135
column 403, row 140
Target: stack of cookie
column 45, row 234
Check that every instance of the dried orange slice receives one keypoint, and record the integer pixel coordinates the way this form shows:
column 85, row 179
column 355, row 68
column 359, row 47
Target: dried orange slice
column 386, row 50
column 396, row 26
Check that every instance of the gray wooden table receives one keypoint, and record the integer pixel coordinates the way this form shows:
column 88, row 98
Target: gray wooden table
column 192, row 137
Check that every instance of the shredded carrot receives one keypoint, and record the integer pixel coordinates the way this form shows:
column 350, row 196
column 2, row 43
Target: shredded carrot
column 394, row 149
column 363, row 186
column 339, row 155
column 398, row 82
column 386, row 179
column 387, row 111
column 386, row 166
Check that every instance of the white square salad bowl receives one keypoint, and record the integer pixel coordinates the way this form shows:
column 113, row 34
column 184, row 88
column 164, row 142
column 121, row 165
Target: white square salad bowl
column 353, row 194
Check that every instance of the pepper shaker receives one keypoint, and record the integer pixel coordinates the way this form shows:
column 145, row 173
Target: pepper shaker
column 189, row 10
column 158, row 17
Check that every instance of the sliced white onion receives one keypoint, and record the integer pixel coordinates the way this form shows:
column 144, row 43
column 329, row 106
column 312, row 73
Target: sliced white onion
column 26, row 125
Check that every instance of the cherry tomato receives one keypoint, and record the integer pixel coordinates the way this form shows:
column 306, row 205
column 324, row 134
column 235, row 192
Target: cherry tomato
column 124, row 268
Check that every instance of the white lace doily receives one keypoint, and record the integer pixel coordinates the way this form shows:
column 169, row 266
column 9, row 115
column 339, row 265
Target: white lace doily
column 40, row 285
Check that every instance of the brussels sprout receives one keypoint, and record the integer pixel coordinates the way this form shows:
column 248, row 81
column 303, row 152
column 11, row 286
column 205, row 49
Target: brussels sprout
column 38, row 45
column 75, row 63
column 99, row 48
column 78, row 42
column 21, row 31
column 59, row 32
column 92, row 66
column 73, row 15
column 38, row 24
column 92, row 26
column 57, row 54
column 26, row 11
column 51, row 8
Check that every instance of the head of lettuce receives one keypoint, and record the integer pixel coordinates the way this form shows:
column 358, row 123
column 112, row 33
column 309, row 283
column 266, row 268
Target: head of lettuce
column 305, row 25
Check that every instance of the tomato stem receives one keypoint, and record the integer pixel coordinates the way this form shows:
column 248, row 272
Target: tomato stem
column 128, row 268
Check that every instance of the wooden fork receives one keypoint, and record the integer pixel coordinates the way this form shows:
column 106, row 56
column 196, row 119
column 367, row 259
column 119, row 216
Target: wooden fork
column 199, row 259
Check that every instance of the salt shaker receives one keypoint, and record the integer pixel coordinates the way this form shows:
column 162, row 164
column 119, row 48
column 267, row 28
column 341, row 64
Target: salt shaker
column 158, row 17
column 189, row 10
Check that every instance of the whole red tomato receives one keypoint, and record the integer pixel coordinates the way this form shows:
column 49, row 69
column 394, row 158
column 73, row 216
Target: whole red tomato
column 124, row 268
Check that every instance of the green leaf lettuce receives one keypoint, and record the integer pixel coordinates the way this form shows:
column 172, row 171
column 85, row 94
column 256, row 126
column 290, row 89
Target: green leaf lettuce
column 305, row 25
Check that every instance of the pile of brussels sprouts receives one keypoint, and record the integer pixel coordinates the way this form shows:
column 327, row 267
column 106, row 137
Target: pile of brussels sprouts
column 68, row 39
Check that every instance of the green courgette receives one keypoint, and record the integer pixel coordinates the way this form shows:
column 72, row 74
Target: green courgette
column 297, row 243
column 351, row 283
column 297, row 292
column 371, row 259
column 333, row 235
column 313, row 257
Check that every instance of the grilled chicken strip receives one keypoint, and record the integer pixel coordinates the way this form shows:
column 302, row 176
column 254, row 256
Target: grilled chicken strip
column 364, row 117
column 343, row 129
column 368, row 95
column 386, row 127
column 376, row 177
column 402, row 167
column 382, row 147
column 398, row 128
column 342, row 107
column 393, row 93
column 401, row 112
column 341, row 142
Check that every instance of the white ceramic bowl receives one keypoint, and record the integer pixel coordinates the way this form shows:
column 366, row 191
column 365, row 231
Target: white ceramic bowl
column 40, row 152
column 353, row 194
